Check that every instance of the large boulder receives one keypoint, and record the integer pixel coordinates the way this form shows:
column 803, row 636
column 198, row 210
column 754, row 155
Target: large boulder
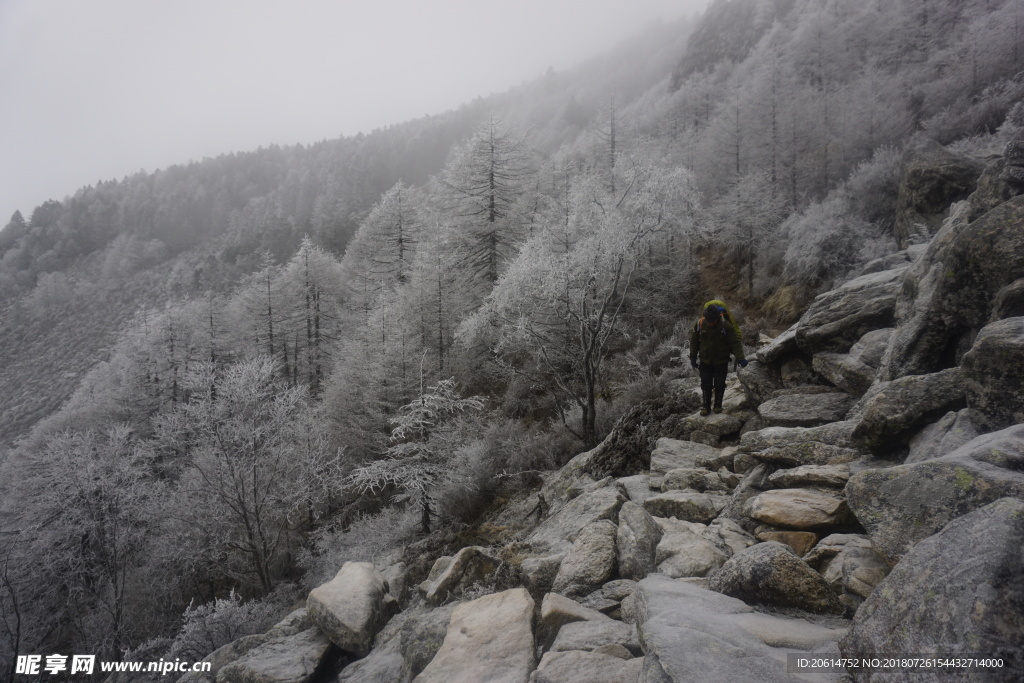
column 288, row 659
column 951, row 292
column 770, row 573
column 384, row 663
column 686, row 505
column 805, row 410
column 687, row 549
column 931, row 178
column 672, row 454
column 959, row 593
column 900, row 408
column 591, row 561
column 900, row 506
column 590, row 635
column 557, row 610
column 561, row 528
column 488, row 639
column 695, row 634
column 994, row 373
column 943, row 436
column 1009, row 301
column 833, row 434
column 636, row 540
column 799, row 508
column 854, row 372
column 760, row 380
column 840, row 317
column 352, row 607
column 694, row 478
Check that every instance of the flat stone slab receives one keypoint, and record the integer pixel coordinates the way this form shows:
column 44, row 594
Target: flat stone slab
column 697, row 634
column 671, row 454
column 687, row 505
column 811, row 475
column 290, row 659
column 805, row 410
column 798, row 508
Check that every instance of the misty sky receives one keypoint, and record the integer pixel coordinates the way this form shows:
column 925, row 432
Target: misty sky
column 98, row 89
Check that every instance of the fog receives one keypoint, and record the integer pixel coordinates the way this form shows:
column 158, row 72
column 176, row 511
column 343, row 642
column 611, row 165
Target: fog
column 98, row 90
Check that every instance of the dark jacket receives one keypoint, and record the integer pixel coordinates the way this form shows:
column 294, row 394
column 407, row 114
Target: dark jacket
column 713, row 344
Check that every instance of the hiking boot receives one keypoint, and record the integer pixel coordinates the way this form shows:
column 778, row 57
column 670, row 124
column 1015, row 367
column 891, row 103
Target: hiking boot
column 705, row 412
column 718, row 409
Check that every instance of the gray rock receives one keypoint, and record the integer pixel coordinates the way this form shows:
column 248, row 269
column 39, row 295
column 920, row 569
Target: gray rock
column 585, row 667
column 488, row 639
column 931, row 178
column 831, row 546
column 671, row 454
column 351, row 607
column 538, row 573
column 778, row 348
column 589, row 635
column 421, row 636
column 974, row 264
column 691, row 633
column 799, row 541
column 734, row 536
column 1009, row 301
column 771, row 574
column 900, row 506
column 760, row 380
column 940, row 438
column 805, row 410
column 637, row 487
column 636, row 540
column 993, row 189
column 694, row 478
column 840, row 370
column 684, row 551
column 811, row 475
column 901, row 407
column 223, row 656
column 888, row 262
column 944, row 601
column 618, row 590
column 288, row 659
column 806, row 454
column 384, row 663
column 839, row 318
column 799, row 508
column 591, row 561
column 557, row 610
column 469, row 566
column 563, row 526
column 717, row 424
column 834, row 434
column 994, row 373
column 686, row 505
column 723, row 458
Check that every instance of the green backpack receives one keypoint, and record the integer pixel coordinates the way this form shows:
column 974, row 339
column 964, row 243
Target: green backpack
column 726, row 315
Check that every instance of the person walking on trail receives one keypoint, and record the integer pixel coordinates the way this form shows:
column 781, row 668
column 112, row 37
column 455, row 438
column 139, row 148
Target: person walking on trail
column 714, row 338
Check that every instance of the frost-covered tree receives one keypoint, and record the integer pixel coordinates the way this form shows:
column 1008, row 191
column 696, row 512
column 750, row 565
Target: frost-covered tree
column 425, row 439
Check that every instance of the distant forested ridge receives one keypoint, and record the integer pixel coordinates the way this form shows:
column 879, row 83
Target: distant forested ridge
column 227, row 376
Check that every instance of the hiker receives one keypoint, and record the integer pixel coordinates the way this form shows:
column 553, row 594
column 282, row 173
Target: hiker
column 715, row 336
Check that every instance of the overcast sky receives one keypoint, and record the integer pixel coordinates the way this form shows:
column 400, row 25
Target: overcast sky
column 98, row 89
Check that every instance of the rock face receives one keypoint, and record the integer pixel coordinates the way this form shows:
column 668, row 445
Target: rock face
column 770, row 573
column 994, row 373
column 901, row 407
column 931, row 178
column 839, row 318
column 591, row 561
column 636, row 540
column 942, row 437
column 695, row 634
column 488, row 639
column 807, row 410
column 900, row 506
column 954, row 603
column 351, row 608
column 952, row 290
column 290, row 659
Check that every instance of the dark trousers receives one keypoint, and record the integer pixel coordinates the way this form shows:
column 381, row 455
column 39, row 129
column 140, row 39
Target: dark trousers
column 712, row 379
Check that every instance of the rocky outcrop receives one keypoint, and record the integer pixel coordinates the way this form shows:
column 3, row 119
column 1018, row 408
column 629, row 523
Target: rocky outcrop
column 994, row 373
column 839, row 318
column 931, row 178
column 352, row 607
column 900, row 506
column 939, row 600
column 900, row 408
column 488, row 639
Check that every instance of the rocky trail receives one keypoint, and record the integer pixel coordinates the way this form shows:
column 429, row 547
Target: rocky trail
column 862, row 495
